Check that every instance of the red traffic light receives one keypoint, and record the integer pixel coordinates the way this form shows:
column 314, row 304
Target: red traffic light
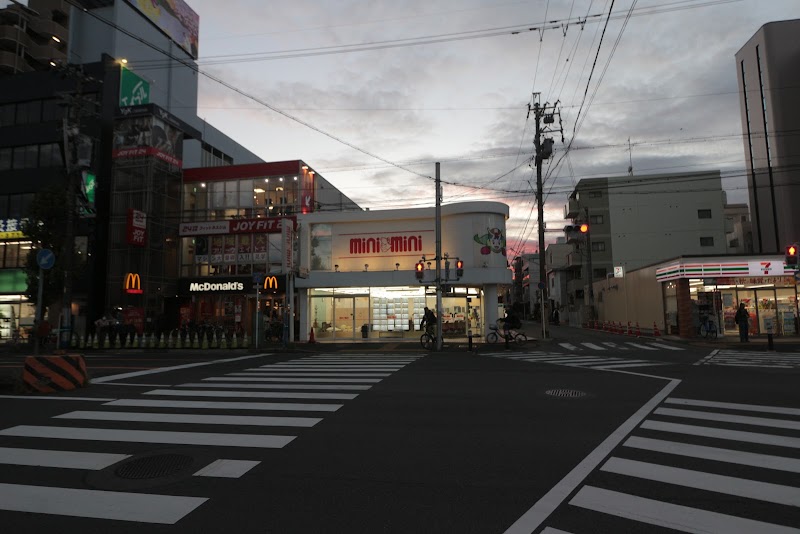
column 791, row 250
column 419, row 269
column 459, row 268
column 584, row 228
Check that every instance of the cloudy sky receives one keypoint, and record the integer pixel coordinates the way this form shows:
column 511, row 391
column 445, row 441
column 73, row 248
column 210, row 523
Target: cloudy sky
column 372, row 94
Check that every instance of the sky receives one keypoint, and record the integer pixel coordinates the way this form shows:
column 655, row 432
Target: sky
column 372, row 94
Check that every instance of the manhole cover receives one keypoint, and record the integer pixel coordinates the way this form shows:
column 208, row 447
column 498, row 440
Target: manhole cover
column 565, row 393
column 161, row 465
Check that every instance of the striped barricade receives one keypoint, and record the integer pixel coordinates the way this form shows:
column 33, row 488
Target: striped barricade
column 51, row 374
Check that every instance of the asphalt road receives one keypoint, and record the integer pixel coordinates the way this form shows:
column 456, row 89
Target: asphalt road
column 583, row 433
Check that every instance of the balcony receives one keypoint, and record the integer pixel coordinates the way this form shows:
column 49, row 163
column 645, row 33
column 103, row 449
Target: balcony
column 48, row 28
column 10, row 63
column 46, row 52
column 572, row 209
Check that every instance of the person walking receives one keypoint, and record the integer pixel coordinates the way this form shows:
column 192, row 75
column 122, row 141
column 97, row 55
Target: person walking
column 742, row 319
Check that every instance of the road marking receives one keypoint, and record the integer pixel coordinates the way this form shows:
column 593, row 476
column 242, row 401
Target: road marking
column 551, row 530
column 252, row 394
column 62, row 459
column 227, row 468
column 110, row 378
column 704, row 360
column 627, row 365
column 149, row 436
column 144, row 417
column 569, row 346
column 639, row 346
column 750, row 489
column 227, row 383
column 310, row 375
column 614, row 345
column 668, row 515
column 593, row 346
column 320, row 380
column 734, row 406
column 117, row 505
column 735, row 435
column 308, row 368
column 52, row 397
column 663, row 346
column 535, row 516
column 728, row 418
column 765, row 461
column 137, row 385
column 210, row 405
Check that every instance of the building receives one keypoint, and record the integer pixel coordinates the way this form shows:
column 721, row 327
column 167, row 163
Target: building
column 34, row 35
column 558, row 256
column 361, row 265
column 738, row 229
column 635, row 221
column 768, row 76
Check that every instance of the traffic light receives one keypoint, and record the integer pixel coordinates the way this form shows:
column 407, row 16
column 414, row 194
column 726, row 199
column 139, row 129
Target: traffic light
column 459, row 268
column 419, row 269
column 791, row 255
column 584, row 228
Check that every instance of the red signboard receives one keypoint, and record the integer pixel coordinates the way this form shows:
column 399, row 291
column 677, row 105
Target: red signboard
column 137, row 228
column 269, row 225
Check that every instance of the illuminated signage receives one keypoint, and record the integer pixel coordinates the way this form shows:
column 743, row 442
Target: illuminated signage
column 133, row 284
column 236, row 285
column 389, row 244
column 210, row 286
column 11, row 229
column 271, row 282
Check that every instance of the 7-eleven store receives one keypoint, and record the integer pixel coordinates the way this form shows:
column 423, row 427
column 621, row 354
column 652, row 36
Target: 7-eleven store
column 694, row 287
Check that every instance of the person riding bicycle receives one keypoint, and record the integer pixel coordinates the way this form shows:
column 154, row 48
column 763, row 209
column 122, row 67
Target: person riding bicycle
column 510, row 321
column 428, row 322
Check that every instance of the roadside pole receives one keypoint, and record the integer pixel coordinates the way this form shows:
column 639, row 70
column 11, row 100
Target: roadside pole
column 45, row 259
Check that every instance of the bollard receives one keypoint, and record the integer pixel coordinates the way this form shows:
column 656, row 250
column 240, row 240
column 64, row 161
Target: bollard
column 469, row 337
column 506, row 335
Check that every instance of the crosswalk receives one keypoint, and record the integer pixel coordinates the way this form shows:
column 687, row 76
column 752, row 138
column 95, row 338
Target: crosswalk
column 614, row 346
column 253, row 410
column 739, row 358
column 575, row 360
column 695, row 465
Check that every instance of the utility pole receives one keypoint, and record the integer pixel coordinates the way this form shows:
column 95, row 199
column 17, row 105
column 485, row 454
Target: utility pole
column 438, row 259
column 544, row 149
column 589, row 261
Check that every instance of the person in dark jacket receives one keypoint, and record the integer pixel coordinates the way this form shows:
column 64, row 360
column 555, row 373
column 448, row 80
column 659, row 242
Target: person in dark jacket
column 742, row 318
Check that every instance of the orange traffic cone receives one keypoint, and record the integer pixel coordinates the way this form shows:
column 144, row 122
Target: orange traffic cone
column 311, row 336
column 656, row 333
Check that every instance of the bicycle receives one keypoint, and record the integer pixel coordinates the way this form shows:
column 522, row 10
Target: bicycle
column 507, row 335
column 428, row 338
column 708, row 329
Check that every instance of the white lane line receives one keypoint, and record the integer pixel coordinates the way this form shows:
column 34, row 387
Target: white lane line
column 308, row 368
column 232, row 383
column 639, row 346
column 252, row 394
column 138, row 385
column 62, row 459
column 320, row 380
column 117, row 505
column 215, row 405
column 729, row 418
column 734, row 406
column 722, row 363
column 734, row 435
column 593, row 346
column 764, row 461
column 45, row 397
column 668, row 515
column 741, row 487
column 704, row 360
column 614, row 345
column 767, row 355
column 150, row 436
column 663, row 346
column 569, row 346
column 551, row 530
column 110, row 378
column 301, row 374
column 576, row 361
column 227, row 468
column 195, row 419
column 536, row 515
column 627, row 365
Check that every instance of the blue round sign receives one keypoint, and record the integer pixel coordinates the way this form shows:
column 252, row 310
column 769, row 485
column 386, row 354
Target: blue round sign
column 540, row 285
column 45, row 258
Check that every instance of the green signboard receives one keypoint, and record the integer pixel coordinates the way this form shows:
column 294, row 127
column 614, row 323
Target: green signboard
column 133, row 90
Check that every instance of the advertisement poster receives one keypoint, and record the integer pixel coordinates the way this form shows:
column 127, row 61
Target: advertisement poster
column 216, row 249
column 260, row 248
column 137, row 137
column 136, row 233
column 134, row 316
column 201, row 250
column 245, row 249
column 175, row 18
column 230, row 249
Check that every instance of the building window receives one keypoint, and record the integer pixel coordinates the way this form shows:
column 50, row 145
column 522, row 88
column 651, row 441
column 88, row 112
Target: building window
column 596, row 219
column 25, row 157
column 734, row 243
column 599, row 273
column 703, row 214
column 706, row 241
column 598, row 246
column 595, row 194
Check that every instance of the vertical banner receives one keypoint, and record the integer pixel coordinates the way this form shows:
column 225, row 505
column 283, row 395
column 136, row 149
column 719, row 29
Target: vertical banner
column 137, row 228
column 260, row 248
column 244, row 257
column 230, row 249
column 216, row 249
column 287, row 235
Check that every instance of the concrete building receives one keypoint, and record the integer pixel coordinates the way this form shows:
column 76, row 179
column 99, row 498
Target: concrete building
column 769, row 82
column 638, row 220
column 738, row 229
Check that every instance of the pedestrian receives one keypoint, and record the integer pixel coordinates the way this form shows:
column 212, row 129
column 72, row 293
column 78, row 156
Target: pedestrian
column 742, row 319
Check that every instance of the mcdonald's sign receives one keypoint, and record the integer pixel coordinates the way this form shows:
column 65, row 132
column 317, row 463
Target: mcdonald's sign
column 133, row 284
column 270, row 282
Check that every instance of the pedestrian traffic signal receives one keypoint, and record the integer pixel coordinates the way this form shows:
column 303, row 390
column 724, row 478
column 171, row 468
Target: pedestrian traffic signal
column 419, row 270
column 791, row 255
column 459, row 268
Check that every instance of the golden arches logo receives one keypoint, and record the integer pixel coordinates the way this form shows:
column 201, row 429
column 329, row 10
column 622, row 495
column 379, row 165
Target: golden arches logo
column 271, row 282
column 133, row 284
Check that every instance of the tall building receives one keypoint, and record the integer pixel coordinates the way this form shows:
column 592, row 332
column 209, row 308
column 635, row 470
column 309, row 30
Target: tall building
column 34, row 35
column 636, row 221
column 769, row 89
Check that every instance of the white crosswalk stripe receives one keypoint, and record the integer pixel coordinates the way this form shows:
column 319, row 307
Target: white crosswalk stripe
column 615, row 346
column 574, row 360
column 672, row 448
column 741, row 358
column 250, row 411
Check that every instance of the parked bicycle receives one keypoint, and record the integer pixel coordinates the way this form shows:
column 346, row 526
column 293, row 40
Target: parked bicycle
column 708, row 329
column 499, row 332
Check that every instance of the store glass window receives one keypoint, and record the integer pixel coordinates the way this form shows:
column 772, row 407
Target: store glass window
column 786, row 304
column 671, row 307
column 321, row 247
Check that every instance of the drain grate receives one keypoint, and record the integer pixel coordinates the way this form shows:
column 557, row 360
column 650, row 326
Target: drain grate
column 572, row 393
column 157, row 466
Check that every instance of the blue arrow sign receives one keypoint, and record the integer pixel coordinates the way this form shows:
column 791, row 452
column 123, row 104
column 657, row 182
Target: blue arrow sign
column 45, row 258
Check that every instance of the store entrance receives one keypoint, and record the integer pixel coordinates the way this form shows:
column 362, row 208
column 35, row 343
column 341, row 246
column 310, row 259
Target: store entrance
column 350, row 313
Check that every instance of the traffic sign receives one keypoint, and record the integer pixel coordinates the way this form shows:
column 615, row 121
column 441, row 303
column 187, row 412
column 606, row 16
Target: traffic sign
column 45, row 258
column 258, row 278
column 540, row 285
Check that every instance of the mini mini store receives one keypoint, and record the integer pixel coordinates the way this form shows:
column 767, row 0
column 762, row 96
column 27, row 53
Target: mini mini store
column 693, row 288
column 360, row 266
